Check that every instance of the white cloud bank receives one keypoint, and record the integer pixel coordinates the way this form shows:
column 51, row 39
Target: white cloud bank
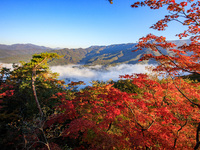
column 93, row 73
column 6, row 65
column 100, row 73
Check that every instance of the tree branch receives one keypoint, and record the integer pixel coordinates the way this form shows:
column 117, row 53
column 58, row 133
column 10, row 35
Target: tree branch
column 33, row 87
column 142, row 128
column 174, row 62
column 180, row 90
column 178, row 133
column 197, row 137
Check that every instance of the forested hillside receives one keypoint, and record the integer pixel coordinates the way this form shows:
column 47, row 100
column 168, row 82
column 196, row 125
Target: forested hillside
column 19, row 52
column 94, row 55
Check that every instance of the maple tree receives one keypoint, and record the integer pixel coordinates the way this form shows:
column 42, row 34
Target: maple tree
column 139, row 111
column 164, row 114
column 185, row 58
column 153, row 116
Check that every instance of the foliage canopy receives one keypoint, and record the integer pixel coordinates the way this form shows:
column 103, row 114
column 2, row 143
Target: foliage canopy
column 139, row 112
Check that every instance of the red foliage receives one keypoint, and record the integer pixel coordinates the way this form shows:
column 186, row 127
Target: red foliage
column 164, row 114
column 159, row 117
column 185, row 58
column 6, row 90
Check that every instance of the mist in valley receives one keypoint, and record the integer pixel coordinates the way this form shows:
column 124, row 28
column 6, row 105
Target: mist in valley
column 97, row 73
column 87, row 74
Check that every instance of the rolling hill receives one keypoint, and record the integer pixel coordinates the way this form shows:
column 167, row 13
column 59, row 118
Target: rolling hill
column 20, row 52
column 101, row 55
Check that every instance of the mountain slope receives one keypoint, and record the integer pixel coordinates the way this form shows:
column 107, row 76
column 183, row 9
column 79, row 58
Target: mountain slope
column 21, row 49
column 26, row 47
column 94, row 55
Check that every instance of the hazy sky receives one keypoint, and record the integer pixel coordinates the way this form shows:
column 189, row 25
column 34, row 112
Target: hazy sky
column 77, row 23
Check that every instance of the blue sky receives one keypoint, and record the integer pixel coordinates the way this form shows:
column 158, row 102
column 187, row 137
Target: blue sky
column 77, row 23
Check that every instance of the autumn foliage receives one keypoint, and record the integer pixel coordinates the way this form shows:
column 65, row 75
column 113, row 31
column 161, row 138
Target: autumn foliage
column 139, row 111
column 186, row 57
column 156, row 117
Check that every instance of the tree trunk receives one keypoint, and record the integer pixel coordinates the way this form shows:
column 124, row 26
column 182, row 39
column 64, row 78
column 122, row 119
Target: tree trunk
column 35, row 93
column 197, row 137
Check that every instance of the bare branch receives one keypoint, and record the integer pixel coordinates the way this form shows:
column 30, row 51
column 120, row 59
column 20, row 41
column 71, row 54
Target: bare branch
column 142, row 128
column 178, row 132
column 174, row 62
column 35, row 143
column 180, row 90
column 33, row 87
column 197, row 137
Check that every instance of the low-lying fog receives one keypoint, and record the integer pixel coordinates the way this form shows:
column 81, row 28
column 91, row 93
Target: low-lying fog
column 92, row 73
column 101, row 73
column 6, row 65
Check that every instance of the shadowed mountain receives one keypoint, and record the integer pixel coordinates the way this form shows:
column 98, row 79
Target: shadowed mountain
column 26, row 47
column 94, row 55
column 20, row 52
column 21, row 49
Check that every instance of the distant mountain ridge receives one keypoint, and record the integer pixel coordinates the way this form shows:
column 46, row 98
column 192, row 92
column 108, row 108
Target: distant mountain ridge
column 94, row 55
column 20, row 51
column 23, row 47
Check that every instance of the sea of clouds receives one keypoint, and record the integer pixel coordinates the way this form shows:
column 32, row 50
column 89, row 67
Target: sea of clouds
column 97, row 73
column 6, row 65
column 87, row 74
